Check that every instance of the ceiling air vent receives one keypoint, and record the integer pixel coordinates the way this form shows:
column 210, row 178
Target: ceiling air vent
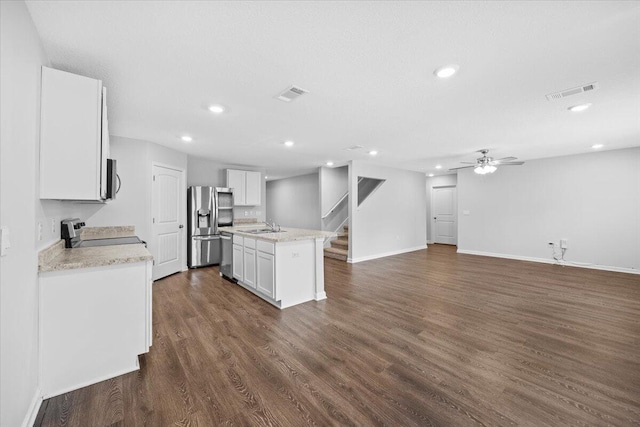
column 572, row 91
column 353, row 147
column 291, row 93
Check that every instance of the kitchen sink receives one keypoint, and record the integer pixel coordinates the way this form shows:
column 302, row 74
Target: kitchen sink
column 263, row 231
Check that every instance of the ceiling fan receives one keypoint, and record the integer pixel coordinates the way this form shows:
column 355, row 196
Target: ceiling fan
column 485, row 164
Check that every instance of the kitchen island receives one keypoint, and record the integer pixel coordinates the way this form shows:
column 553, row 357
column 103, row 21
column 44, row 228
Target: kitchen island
column 284, row 268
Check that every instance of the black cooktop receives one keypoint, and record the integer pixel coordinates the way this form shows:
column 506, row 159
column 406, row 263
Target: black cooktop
column 130, row 240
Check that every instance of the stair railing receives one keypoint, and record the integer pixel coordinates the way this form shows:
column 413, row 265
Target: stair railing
column 327, row 240
column 342, row 199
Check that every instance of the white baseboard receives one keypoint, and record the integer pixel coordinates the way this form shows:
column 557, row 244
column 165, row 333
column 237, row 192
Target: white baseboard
column 321, row 296
column 34, row 408
column 385, row 254
column 429, row 242
column 551, row 261
column 93, row 381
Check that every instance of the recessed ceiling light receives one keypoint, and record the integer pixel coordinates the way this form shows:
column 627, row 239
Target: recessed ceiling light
column 373, row 152
column 329, row 163
column 578, row 108
column 216, row 109
column 430, row 175
column 446, row 71
column 186, row 138
column 596, row 146
column 438, row 166
column 266, row 177
column 289, row 143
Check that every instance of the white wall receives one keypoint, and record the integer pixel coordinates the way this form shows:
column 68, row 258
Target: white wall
column 21, row 56
column 591, row 199
column 392, row 219
column 436, row 181
column 334, row 183
column 295, row 202
column 210, row 173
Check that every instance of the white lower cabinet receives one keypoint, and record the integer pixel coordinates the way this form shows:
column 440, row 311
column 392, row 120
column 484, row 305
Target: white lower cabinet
column 94, row 322
column 283, row 273
column 266, row 274
column 249, row 266
column 238, row 261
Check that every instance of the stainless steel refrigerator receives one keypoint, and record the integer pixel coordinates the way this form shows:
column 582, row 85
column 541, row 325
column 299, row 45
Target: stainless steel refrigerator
column 205, row 213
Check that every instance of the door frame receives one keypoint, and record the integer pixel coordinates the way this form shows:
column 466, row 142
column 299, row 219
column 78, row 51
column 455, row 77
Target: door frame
column 432, row 236
column 182, row 212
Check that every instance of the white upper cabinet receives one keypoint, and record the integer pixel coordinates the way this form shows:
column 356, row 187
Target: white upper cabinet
column 252, row 188
column 74, row 137
column 246, row 186
column 236, row 180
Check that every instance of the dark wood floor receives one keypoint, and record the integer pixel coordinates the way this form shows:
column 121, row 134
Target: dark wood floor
column 430, row 338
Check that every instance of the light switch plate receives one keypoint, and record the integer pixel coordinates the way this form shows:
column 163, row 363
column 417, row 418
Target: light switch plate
column 5, row 242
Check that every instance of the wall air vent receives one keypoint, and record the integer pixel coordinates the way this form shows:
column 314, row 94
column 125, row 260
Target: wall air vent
column 572, row 91
column 291, row 93
column 353, row 147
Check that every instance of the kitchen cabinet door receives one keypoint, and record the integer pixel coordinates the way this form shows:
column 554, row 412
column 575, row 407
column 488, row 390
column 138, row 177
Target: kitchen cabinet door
column 72, row 166
column 266, row 270
column 238, row 262
column 237, row 180
column 253, row 186
column 249, row 267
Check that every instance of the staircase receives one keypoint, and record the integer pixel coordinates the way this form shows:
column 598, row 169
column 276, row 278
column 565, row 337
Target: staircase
column 340, row 247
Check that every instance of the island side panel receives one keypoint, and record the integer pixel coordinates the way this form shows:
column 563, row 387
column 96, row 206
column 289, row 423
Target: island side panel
column 295, row 271
column 320, row 294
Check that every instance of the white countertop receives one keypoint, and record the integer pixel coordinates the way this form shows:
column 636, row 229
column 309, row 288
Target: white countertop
column 287, row 234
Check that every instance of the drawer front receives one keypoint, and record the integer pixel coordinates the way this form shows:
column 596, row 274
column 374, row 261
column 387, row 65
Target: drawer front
column 249, row 243
column 267, row 247
column 237, row 239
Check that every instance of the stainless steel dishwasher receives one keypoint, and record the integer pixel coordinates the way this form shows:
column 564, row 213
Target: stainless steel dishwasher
column 226, row 265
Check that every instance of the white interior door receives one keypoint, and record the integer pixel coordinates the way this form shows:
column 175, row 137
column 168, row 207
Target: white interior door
column 444, row 213
column 167, row 222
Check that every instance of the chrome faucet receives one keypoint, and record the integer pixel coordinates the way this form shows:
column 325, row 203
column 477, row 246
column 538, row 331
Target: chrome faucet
column 273, row 226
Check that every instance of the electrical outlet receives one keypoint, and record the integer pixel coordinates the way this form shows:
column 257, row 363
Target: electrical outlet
column 53, row 226
column 39, row 231
column 295, row 255
column 564, row 243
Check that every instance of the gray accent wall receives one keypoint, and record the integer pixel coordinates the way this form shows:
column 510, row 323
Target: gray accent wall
column 593, row 200
column 295, row 202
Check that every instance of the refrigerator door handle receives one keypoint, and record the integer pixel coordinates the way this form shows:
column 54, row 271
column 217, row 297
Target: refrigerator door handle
column 206, row 237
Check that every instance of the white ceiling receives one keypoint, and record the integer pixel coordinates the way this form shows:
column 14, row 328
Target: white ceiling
column 368, row 69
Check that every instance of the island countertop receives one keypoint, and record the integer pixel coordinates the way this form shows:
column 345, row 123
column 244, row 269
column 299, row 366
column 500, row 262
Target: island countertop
column 286, row 235
column 58, row 258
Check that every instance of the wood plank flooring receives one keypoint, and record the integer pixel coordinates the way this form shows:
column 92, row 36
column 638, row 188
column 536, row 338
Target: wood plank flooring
column 429, row 338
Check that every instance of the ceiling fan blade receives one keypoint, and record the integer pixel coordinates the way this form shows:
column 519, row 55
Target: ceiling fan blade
column 511, row 164
column 505, row 159
column 463, row 167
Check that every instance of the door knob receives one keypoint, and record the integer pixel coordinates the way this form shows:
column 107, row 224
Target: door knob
column 435, row 217
column 181, row 226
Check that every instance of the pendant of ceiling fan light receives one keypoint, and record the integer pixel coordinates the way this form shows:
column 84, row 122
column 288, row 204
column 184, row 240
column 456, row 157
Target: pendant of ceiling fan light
column 485, row 169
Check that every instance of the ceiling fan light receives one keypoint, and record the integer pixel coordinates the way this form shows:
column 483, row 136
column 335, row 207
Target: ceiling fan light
column 485, row 169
